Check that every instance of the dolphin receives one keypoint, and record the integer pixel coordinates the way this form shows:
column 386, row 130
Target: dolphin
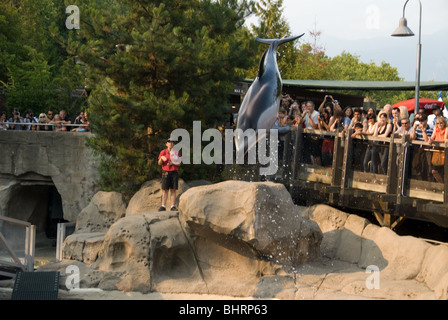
column 260, row 105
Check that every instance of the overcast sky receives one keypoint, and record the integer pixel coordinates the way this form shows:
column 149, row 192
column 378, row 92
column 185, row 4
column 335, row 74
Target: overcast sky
column 363, row 28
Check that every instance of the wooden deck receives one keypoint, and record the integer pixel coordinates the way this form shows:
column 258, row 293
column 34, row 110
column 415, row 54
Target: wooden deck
column 392, row 197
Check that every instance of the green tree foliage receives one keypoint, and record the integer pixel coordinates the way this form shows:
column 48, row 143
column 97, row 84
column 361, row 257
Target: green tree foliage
column 155, row 66
column 348, row 67
column 11, row 51
column 272, row 25
column 35, row 70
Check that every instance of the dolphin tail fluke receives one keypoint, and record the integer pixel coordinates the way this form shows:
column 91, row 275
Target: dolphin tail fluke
column 280, row 41
column 284, row 40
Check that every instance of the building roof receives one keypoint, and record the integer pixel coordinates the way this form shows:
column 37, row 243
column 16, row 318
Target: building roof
column 363, row 85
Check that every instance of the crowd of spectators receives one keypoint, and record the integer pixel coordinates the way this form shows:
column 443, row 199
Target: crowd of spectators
column 373, row 155
column 49, row 121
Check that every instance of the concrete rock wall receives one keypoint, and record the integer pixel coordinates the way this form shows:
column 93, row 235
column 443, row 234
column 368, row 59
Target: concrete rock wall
column 59, row 158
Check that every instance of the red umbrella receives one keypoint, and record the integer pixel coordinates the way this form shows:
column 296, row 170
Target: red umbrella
column 424, row 103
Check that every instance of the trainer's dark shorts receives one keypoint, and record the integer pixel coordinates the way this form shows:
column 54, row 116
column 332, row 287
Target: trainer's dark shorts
column 170, row 180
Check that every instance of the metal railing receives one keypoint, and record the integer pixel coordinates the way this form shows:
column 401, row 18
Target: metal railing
column 61, row 235
column 31, row 124
column 29, row 248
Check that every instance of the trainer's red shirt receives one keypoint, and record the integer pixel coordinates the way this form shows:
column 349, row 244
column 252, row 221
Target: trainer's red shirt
column 165, row 165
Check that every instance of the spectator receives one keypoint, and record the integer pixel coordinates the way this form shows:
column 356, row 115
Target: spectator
column 282, row 126
column 58, row 123
column 303, row 107
column 388, row 109
column 286, row 102
column 327, row 144
column 421, row 111
column 338, row 124
column 29, row 118
column 363, row 113
column 16, row 121
column 297, row 119
column 370, row 161
column 294, row 109
column 312, row 146
column 3, row 121
column 405, row 128
column 421, row 159
column 404, row 113
column 64, row 118
column 324, row 120
column 43, row 119
column 330, row 105
column 357, row 118
column 395, row 119
column 371, row 110
column 348, row 115
column 436, row 112
column 281, row 120
column 358, row 146
column 328, row 102
column 422, row 131
column 358, row 130
column 440, row 135
column 81, row 119
column 383, row 130
column 50, row 115
column 371, row 124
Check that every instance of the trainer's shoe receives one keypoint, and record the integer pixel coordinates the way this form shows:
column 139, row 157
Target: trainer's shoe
column 173, row 208
column 162, row 208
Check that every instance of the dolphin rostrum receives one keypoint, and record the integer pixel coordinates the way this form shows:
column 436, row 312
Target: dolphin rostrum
column 260, row 105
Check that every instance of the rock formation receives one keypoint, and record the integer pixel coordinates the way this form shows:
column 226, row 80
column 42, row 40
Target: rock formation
column 248, row 240
column 38, row 158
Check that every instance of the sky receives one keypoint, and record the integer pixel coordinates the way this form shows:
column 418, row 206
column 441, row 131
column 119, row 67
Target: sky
column 364, row 27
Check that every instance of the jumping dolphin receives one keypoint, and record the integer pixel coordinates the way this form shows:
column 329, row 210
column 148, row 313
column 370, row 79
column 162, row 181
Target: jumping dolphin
column 260, row 106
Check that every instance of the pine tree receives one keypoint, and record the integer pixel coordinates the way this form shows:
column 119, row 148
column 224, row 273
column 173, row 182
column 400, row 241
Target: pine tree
column 155, row 66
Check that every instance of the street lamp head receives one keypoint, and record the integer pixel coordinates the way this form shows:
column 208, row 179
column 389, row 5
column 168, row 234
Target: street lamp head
column 403, row 30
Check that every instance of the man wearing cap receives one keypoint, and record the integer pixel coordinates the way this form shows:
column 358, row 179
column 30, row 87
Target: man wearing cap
column 170, row 162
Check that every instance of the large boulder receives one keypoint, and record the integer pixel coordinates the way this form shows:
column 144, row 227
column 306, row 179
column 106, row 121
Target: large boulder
column 149, row 197
column 92, row 223
column 255, row 219
column 104, row 209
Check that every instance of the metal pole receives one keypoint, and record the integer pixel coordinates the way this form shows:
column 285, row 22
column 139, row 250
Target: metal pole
column 419, row 53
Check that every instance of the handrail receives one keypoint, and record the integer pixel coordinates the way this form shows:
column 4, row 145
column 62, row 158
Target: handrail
column 43, row 124
column 317, row 132
column 340, row 170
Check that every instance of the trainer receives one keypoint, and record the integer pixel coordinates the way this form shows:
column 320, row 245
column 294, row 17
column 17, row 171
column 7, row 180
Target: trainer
column 170, row 162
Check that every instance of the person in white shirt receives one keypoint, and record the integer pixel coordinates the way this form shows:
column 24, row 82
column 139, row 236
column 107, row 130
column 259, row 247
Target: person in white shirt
column 436, row 111
column 312, row 145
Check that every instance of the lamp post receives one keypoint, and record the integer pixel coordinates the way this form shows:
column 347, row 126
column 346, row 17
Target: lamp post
column 404, row 31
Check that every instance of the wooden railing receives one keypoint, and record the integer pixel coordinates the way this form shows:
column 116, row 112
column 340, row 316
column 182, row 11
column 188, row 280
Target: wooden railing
column 391, row 195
